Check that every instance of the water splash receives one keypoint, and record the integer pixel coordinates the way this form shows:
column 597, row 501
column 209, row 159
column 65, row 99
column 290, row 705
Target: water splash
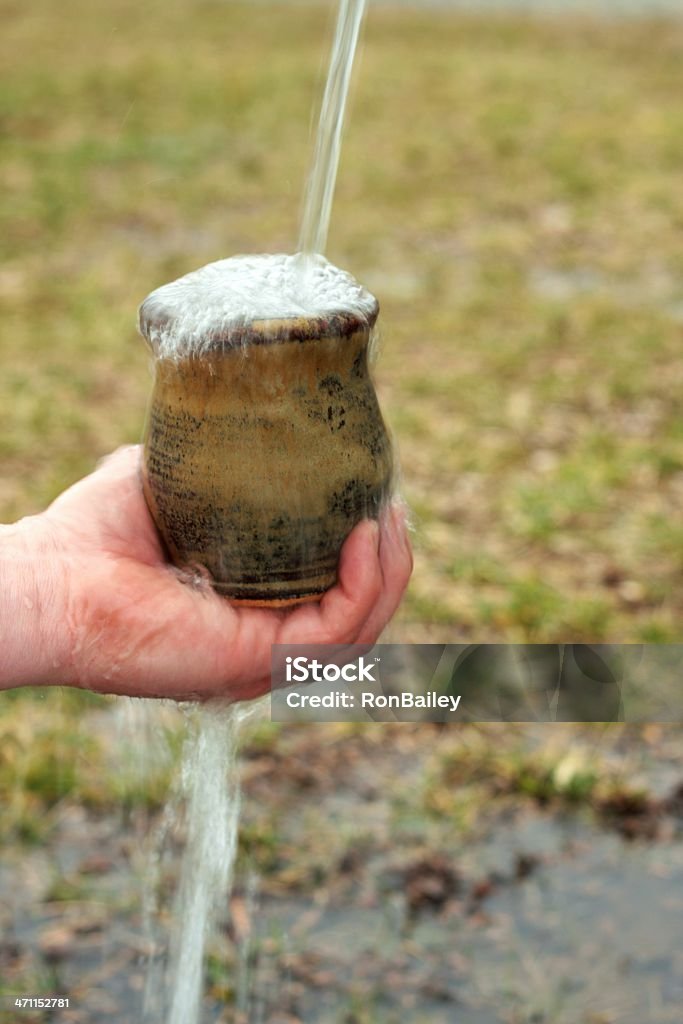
column 215, row 304
column 315, row 221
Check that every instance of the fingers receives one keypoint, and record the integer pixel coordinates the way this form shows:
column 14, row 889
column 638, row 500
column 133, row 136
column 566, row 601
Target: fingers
column 396, row 565
column 347, row 606
column 242, row 638
column 374, row 570
column 341, row 614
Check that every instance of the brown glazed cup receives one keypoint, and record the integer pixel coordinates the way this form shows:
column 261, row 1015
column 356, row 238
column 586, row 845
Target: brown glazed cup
column 261, row 456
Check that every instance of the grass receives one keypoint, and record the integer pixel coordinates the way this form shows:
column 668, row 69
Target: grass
column 510, row 189
column 522, row 236
column 572, row 768
column 62, row 750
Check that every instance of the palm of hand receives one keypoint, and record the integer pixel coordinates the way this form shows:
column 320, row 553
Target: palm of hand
column 132, row 625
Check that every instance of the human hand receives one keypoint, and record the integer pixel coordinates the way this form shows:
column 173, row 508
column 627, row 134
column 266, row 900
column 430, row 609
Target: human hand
column 116, row 618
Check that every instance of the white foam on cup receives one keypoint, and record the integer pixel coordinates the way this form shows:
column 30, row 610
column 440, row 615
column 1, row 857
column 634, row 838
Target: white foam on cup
column 219, row 300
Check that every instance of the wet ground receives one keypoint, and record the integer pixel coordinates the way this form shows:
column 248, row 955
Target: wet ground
column 386, row 874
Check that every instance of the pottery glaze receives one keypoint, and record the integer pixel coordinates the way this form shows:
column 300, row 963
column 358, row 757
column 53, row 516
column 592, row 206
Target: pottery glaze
column 263, row 453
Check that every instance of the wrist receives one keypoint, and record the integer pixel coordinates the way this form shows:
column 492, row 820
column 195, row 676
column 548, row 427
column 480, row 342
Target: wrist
column 32, row 592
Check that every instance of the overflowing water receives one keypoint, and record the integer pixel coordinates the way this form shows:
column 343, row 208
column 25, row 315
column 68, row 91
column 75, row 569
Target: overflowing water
column 187, row 316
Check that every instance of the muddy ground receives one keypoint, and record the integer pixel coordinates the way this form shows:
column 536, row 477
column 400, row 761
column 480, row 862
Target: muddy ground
column 492, row 875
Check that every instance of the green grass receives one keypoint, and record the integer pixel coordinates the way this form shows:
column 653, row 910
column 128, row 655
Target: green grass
column 571, row 768
column 60, row 749
column 509, row 188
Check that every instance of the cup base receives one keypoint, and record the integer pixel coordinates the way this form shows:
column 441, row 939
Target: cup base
column 275, row 603
column 277, row 598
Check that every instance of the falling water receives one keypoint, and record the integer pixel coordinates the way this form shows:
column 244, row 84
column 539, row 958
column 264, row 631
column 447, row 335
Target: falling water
column 210, row 784
column 209, row 777
column 209, row 790
column 315, row 220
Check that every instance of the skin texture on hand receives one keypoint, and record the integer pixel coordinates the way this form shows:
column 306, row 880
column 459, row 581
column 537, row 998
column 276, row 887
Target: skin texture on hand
column 102, row 609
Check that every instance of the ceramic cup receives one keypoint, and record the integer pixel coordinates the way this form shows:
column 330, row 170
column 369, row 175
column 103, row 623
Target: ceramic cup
column 261, row 456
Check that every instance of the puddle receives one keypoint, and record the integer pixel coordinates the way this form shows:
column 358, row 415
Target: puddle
column 366, row 917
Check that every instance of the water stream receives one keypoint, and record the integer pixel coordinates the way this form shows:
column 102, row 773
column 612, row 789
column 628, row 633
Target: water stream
column 209, row 789
column 317, row 208
column 207, row 801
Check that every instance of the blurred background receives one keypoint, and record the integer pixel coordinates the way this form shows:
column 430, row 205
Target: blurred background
column 510, row 189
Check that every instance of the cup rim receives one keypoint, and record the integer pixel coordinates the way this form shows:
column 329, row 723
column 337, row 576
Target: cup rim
column 268, row 331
